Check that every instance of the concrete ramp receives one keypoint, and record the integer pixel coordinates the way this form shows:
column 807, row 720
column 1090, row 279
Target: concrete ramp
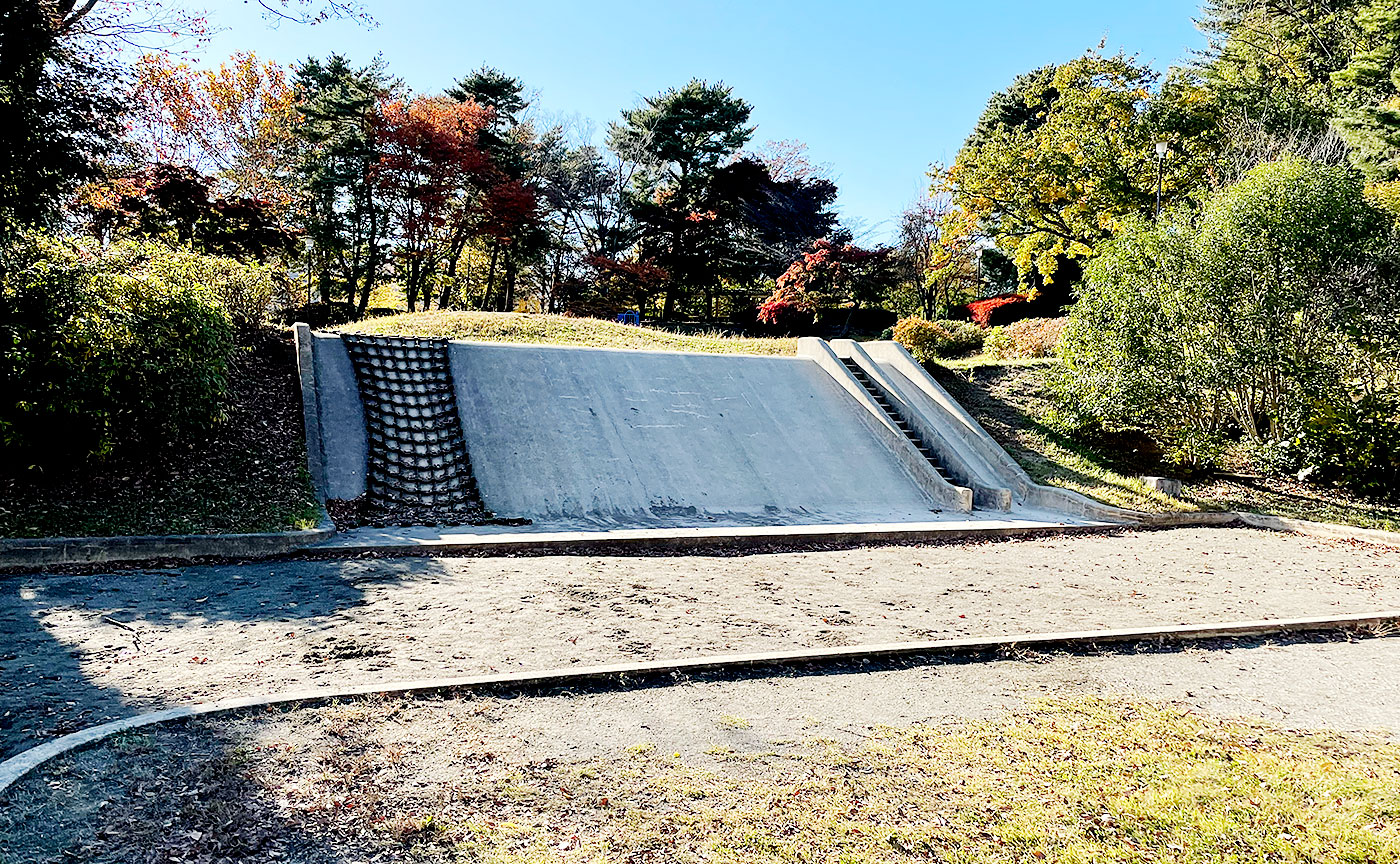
column 594, row 439
column 641, row 437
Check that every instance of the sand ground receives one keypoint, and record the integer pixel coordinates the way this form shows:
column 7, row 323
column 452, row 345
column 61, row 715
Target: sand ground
column 80, row 649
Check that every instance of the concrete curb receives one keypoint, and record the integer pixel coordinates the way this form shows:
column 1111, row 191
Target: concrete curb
column 50, row 551
column 53, row 551
column 1327, row 530
column 16, row 767
column 700, row 539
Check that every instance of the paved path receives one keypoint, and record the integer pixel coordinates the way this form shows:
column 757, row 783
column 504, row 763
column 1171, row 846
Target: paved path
column 1342, row 685
column 80, row 649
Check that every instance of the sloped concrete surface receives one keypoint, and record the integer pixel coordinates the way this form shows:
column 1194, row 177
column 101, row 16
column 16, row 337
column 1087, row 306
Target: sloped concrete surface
column 641, row 438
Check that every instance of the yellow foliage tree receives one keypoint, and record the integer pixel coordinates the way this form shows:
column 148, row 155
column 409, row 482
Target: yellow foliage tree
column 235, row 122
column 1077, row 157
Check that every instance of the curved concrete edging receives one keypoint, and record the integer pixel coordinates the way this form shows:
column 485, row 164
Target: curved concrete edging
column 16, row 767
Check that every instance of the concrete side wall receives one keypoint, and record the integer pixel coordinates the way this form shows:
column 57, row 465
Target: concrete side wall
column 344, row 446
column 956, row 425
column 962, row 464
column 638, row 437
column 960, row 498
column 310, row 409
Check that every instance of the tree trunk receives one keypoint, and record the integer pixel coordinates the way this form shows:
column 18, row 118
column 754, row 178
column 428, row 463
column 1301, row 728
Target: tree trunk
column 508, row 290
column 491, row 276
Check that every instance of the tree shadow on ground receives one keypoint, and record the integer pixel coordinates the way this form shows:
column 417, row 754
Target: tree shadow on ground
column 62, row 629
column 209, row 810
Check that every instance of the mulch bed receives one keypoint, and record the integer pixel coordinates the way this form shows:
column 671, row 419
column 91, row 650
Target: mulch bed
column 248, row 475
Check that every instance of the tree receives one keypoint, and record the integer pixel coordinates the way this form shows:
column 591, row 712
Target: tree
column 1059, row 160
column 1311, row 78
column 339, row 155
column 835, row 273
column 429, row 167
column 772, row 221
column 1274, row 61
column 237, row 122
column 937, row 256
column 715, row 219
column 589, row 232
column 518, row 154
column 179, row 205
column 146, row 25
column 1368, row 92
column 680, row 138
column 1024, row 105
column 1277, row 301
column 58, row 114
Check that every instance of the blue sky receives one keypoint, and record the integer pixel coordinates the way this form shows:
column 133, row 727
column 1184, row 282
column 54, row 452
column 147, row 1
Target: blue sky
column 877, row 89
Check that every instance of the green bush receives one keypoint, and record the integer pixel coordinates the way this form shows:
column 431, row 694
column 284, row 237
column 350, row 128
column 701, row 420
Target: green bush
column 245, row 290
column 964, row 337
column 106, row 352
column 929, row 340
column 1356, row 444
column 996, row 342
column 1281, row 295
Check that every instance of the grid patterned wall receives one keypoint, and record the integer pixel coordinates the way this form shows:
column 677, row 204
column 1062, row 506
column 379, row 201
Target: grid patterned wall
column 417, row 458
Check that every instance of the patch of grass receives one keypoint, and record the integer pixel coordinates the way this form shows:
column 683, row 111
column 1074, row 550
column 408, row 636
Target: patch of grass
column 1012, row 399
column 249, row 475
column 561, row 330
column 1075, row 781
column 979, row 361
column 729, row 721
column 1085, row 780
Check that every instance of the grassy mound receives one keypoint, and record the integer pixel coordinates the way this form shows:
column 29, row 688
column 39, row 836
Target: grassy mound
column 560, row 330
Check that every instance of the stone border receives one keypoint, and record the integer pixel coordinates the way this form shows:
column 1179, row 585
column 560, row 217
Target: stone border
column 1329, row 530
column 50, row 551
column 621, row 674
column 700, row 540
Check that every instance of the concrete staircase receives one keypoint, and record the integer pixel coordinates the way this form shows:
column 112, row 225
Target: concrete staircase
column 893, row 413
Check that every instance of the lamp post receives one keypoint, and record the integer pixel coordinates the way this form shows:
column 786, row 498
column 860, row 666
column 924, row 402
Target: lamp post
column 1161, row 148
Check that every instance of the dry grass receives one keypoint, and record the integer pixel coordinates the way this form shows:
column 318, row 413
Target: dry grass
column 1068, row 781
column 561, row 330
column 1012, row 400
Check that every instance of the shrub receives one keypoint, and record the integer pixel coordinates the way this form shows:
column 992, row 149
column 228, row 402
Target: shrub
column 929, row 340
column 104, row 355
column 964, row 337
column 1028, row 338
column 1356, row 444
column 992, row 311
column 1279, row 296
column 919, row 337
column 997, row 343
column 244, row 290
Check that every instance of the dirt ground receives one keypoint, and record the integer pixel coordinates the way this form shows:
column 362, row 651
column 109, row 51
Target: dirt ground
column 81, row 649
column 316, row 785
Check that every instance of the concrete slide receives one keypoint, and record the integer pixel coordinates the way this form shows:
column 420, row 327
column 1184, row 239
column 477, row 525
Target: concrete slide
column 582, row 438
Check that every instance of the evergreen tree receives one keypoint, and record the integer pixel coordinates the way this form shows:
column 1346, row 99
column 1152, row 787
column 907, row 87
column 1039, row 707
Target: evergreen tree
column 343, row 217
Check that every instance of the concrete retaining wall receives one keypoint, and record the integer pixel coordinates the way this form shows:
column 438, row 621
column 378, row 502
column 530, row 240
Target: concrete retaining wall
column 591, row 437
column 583, row 437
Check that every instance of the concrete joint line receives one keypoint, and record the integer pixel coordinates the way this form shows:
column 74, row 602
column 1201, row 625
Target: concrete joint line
column 16, row 767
